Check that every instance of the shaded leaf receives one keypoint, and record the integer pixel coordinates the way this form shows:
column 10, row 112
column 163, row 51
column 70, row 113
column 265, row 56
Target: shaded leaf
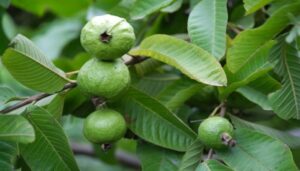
column 212, row 165
column 173, row 6
column 192, row 157
column 253, row 152
column 248, row 43
column 191, row 60
column 4, row 3
column 286, row 101
column 156, row 158
column 207, row 26
column 30, row 66
column 16, row 128
column 153, row 122
column 8, row 155
column 253, row 5
column 142, row 8
column 290, row 140
column 50, row 150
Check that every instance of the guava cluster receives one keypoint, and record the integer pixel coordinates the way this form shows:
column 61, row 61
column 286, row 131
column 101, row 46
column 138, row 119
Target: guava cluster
column 107, row 38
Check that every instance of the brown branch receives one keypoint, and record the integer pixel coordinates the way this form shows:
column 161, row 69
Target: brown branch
column 35, row 98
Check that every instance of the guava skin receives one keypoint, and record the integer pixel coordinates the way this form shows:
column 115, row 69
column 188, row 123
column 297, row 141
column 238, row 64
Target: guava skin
column 102, row 78
column 107, row 37
column 104, row 126
column 211, row 129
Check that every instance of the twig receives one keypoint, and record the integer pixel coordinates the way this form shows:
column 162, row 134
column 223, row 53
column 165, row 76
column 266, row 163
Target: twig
column 35, row 98
column 223, row 110
column 210, row 154
column 69, row 74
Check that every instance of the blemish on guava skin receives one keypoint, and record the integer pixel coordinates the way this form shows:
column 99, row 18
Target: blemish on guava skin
column 105, row 38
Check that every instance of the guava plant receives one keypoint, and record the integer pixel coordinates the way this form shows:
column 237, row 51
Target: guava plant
column 205, row 85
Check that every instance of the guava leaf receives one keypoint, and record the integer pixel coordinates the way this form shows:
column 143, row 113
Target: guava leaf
column 211, row 165
column 286, row 101
column 253, row 152
column 153, row 122
column 16, row 128
column 249, row 42
column 157, row 158
column 254, row 5
column 50, row 150
column 5, row 94
column 174, row 6
column 190, row 59
column 30, row 66
column 287, row 138
column 207, row 25
column 8, row 155
column 142, row 8
column 191, row 157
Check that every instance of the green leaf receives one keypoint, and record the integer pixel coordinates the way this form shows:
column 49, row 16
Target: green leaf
column 173, row 6
column 190, row 59
column 255, row 96
column 290, row 140
column 142, row 8
column 192, row 157
column 286, row 101
column 254, row 5
column 29, row 66
column 52, row 38
column 178, row 92
column 207, row 25
column 258, row 66
column 50, row 150
column 16, row 128
column 256, row 151
column 5, row 94
column 248, row 43
column 238, row 17
column 211, row 165
column 4, row 3
column 8, row 155
column 153, row 122
column 156, row 158
column 56, row 106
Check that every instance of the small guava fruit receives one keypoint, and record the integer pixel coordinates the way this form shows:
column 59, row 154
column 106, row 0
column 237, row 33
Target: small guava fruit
column 216, row 132
column 107, row 37
column 103, row 78
column 104, row 126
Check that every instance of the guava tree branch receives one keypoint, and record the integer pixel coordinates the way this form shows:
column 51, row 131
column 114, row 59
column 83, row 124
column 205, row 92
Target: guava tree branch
column 35, row 98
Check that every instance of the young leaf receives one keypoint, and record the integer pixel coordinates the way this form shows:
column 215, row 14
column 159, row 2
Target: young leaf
column 207, row 26
column 8, row 155
column 290, row 140
column 153, row 122
column 192, row 157
column 29, row 66
column 249, row 42
column 50, row 150
column 156, row 158
column 286, row 101
column 178, row 92
column 256, row 151
column 253, row 5
column 16, row 128
column 211, row 165
column 142, row 8
column 190, row 59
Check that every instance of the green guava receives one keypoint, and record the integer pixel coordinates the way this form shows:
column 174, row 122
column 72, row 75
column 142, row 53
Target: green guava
column 104, row 126
column 215, row 132
column 107, row 37
column 103, row 78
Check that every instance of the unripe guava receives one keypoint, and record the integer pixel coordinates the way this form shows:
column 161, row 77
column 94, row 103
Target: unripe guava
column 104, row 126
column 102, row 78
column 107, row 37
column 216, row 132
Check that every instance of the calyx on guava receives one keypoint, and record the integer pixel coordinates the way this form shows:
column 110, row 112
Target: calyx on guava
column 104, row 126
column 107, row 37
column 216, row 132
column 102, row 78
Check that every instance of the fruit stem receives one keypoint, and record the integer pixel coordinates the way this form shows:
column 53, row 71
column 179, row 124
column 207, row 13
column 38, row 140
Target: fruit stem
column 210, row 154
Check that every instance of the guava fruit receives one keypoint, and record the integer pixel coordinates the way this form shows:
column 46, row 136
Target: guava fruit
column 102, row 78
column 104, row 126
column 216, row 132
column 107, row 37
